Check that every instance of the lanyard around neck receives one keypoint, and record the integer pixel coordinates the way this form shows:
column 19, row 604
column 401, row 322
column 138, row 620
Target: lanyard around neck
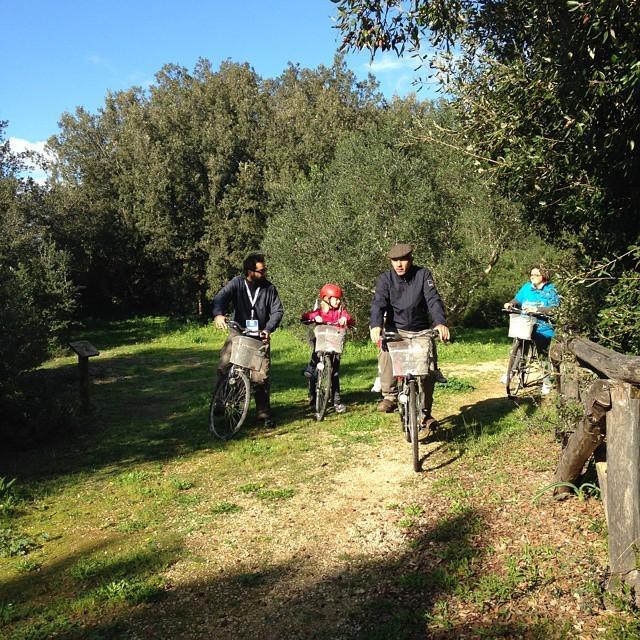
column 252, row 298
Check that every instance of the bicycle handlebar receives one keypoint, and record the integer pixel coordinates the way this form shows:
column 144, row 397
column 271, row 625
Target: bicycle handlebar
column 243, row 330
column 518, row 312
column 394, row 336
column 329, row 324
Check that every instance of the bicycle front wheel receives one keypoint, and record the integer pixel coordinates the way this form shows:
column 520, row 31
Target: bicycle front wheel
column 324, row 371
column 230, row 405
column 413, row 423
column 516, row 370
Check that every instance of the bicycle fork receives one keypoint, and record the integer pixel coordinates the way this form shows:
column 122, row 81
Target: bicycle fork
column 404, row 395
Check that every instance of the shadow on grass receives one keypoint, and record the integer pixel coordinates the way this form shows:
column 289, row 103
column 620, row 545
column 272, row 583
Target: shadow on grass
column 151, row 405
column 99, row 578
column 485, row 417
column 366, row 599
column 394, row 598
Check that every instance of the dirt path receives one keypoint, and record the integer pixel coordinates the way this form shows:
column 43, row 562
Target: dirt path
column 374, row 546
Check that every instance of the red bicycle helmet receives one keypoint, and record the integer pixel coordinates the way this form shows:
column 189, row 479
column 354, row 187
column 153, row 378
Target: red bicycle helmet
column 330, row 290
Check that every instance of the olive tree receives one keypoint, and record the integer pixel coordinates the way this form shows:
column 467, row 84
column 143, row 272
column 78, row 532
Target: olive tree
column 381, row 188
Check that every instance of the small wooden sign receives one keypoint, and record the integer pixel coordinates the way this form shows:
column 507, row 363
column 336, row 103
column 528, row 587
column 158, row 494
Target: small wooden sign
column 84, row 348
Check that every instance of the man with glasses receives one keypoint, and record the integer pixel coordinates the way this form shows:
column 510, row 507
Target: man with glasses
column 538, row 296
column 256, row 306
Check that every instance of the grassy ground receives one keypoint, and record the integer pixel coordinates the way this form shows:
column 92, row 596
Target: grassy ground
column 139, row 525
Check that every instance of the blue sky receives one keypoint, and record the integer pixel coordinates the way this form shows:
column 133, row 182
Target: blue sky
column 60, row 54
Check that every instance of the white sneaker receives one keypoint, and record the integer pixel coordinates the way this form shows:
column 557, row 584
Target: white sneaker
column 546, row 389
column 503, row 380
column 376, row 385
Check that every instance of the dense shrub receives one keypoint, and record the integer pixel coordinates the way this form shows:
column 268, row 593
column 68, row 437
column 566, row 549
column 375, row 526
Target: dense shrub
column 39, row 404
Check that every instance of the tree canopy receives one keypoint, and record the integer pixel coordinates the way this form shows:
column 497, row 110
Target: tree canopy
column 547, row 92
column 383, row 187
column 547, row 96
column 162, row 192
column 36, row 293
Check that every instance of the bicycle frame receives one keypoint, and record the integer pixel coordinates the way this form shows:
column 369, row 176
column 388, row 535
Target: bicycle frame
column 321, row 382
column 411, row 397
column 526, row 368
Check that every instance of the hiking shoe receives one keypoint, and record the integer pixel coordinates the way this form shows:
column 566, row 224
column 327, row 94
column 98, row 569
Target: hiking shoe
column 339, row 408
column 268, row 423
column 307, row 372
column 387, row 406
column 430, row 424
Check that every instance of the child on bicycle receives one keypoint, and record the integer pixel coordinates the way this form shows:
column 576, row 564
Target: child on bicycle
column 330, row 311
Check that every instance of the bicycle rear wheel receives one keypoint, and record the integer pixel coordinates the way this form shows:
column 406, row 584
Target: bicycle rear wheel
column 537, row 368
column 230, row 404
column 324, row 371
column 413, row 423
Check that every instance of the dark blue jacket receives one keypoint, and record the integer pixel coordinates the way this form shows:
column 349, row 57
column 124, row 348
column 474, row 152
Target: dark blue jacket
column 411, row 302
column 268, row 308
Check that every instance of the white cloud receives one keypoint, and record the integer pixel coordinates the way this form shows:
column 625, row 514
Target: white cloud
column 19, row 145
column 388, row 62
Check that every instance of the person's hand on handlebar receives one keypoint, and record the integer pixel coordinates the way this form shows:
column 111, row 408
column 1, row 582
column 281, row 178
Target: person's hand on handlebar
column 342, row 322
column 443, row 332
column 318, row 319
column 220, row 322
column 264, row 335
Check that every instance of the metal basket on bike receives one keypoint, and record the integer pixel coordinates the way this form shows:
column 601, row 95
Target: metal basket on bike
column 329, row 338
column 521, row 325
column 247, row 352
column 412, row 355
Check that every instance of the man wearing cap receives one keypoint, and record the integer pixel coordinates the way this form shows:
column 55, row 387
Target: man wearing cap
column 405, row 300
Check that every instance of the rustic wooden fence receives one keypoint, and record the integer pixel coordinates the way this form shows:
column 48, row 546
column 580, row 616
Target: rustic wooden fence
column 605, row 388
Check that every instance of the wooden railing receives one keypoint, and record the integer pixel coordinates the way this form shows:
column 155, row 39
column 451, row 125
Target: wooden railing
column 610, row 403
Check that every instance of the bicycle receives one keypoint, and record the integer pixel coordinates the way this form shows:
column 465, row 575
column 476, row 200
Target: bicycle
column 230, row 401
column 413, row 359
column 526, row 368
column 328, row 347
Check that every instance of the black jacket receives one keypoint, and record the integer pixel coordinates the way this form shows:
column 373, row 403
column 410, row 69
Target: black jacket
column 411, row 303
column 268, row 308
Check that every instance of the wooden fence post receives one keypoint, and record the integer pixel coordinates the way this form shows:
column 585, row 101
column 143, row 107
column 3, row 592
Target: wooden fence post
column 585, row 439
column 623, row 486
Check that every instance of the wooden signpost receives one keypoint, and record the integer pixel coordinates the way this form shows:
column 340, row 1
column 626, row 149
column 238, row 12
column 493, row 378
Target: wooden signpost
column 84, row 351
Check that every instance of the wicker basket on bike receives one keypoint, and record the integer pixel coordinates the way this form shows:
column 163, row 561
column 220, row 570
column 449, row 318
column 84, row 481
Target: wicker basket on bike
column 412, row 355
